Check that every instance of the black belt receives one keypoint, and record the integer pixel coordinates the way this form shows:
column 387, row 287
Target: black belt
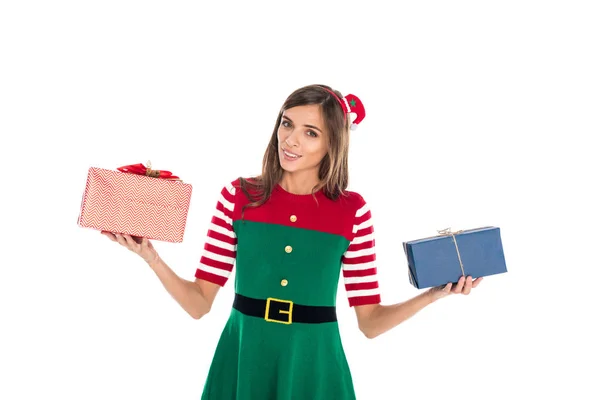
column 283, row 311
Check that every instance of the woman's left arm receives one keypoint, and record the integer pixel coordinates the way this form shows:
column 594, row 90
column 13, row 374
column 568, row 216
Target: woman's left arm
column 375, row 319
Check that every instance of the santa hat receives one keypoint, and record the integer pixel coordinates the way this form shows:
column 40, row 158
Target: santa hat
column 351, row 104
column 355, row 106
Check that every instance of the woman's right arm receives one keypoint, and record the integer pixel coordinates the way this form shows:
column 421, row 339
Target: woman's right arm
column 215, row 266
column 196, row 298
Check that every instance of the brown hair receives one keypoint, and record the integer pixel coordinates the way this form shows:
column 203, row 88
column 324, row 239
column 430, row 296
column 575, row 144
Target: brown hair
column 333, row 170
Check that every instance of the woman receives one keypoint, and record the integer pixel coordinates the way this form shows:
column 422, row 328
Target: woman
column 290, row 233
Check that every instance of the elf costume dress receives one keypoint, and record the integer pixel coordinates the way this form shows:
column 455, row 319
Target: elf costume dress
column 281, row 341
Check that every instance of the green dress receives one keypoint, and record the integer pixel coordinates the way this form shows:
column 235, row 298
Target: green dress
column 291, row 250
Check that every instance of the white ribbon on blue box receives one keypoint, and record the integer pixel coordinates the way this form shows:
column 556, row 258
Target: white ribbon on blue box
column 444, row 258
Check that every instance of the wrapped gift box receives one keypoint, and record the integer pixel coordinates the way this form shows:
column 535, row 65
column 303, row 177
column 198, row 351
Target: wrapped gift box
column 437, row 260
column 138, row 205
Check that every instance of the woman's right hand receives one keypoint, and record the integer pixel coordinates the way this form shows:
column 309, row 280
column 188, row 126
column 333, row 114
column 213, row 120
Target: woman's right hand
column 140, row 246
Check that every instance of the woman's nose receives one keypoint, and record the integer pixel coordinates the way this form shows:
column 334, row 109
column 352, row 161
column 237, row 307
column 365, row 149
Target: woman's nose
column 293, row 139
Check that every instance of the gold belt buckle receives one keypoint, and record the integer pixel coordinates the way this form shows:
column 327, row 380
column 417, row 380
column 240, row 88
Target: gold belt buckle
column 288, row 312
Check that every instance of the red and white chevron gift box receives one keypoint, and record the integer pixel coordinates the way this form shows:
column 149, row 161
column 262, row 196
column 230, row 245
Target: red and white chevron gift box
column 138, row 205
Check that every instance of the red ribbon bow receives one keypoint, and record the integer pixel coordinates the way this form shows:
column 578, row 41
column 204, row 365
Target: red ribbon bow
column 141, row 169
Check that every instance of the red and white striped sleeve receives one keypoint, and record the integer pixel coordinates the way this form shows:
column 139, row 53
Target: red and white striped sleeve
column 220, row 248
column 358, row 262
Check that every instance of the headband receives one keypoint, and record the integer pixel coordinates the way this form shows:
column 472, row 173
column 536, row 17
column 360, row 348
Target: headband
column 351, row 104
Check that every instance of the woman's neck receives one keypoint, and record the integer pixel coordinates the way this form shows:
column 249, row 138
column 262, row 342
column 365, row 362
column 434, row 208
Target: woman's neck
column 298, row 183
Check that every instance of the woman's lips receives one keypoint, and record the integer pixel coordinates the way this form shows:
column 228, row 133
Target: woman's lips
column 289, row 155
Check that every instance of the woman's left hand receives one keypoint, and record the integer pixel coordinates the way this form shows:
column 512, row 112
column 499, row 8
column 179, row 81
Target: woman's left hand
column 464, row 286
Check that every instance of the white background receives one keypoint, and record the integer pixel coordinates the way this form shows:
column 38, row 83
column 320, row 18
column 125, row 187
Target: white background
column 478, row 113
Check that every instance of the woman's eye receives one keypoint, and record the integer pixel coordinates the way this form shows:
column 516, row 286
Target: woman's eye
column 285, row 123
column 311, row 133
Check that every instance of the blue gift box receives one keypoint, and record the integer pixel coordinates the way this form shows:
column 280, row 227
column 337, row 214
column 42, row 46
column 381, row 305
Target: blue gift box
column 444, row 258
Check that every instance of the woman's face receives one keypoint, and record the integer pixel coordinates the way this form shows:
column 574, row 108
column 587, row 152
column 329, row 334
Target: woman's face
column 302, row 138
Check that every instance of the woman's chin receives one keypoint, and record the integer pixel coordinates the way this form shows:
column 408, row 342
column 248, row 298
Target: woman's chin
column 289, row 166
